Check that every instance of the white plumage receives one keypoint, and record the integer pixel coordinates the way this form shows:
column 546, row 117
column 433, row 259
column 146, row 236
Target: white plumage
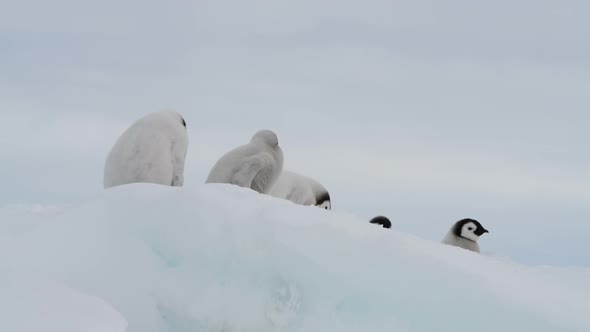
column 256, row 165
column 152, row 150
column 464, row 234
column 301, row 190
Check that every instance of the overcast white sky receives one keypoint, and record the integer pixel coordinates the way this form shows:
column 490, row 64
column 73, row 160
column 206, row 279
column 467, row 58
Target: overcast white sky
column 425, row 111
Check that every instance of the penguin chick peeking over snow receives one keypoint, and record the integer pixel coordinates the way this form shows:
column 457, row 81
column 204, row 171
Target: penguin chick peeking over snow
column 381, row 220
column 302, row 190
column 464, row 234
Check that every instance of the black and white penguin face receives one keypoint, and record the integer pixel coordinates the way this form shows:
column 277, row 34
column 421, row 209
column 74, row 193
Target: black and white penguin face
column 469, row 229
column 266, row 137
column 326, row 205
column 323, row 201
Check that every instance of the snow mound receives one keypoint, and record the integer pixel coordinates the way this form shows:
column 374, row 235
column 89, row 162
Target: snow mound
column 29, row 305
column 18, row 218
column 224, row 258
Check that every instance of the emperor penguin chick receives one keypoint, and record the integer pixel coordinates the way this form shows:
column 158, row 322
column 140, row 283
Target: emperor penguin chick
column 152, row 150
column 256, row 165
column 301, row 190
column 465, row 234
column 381, row 220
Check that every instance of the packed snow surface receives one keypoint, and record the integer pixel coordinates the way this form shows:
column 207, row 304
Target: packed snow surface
column 31, row 305
column 223, row 258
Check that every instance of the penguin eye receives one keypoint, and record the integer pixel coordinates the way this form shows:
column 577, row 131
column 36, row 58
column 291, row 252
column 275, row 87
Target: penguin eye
column 470, row 228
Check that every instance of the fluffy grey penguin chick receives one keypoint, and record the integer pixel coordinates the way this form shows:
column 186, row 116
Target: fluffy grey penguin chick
column 465, row 234
column 381, row 220
column 256, row 165
column 152, row 150
column 301, row 190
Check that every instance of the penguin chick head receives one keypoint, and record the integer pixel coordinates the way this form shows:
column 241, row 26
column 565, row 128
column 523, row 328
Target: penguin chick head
column 469, row 229
column 381, row 220
column 266, row 137
column 323, row 201
column 325, row 205
column 175, row 115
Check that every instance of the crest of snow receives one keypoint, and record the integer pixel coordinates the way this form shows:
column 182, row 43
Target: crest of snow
column 223, row 258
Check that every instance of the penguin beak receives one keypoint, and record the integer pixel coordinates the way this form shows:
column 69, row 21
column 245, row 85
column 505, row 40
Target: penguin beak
column 485, row 230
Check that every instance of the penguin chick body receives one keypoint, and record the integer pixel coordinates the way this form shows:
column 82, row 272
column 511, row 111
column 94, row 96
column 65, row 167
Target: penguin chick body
column 151, row 150
column 301, row 190
column 256, row 165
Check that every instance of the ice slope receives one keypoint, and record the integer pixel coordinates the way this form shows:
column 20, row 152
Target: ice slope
column 222, row 258
column 30, row 305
